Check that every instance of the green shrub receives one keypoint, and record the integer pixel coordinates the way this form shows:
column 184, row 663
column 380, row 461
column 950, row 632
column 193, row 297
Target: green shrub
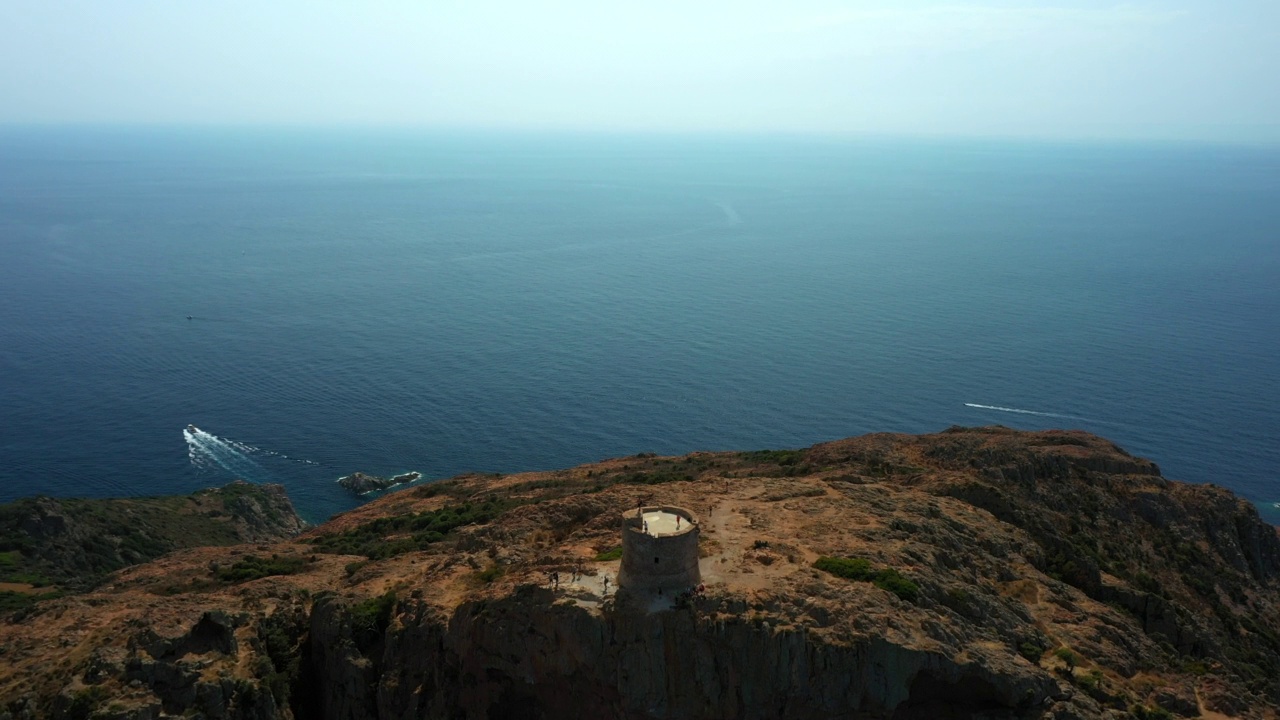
column 851, row 568
column 422, row 530
column 280, row 664
column 16, row 601
column 655, row 478
column 860, row 569
column 493, row 572
column 773, row 457
column 85, row 702
column 1068, row 656
column 607, row 555
column 1146, row 583
column 1030, row 651
column 893, row 581
column 253, row 567
column 1091, row 682
column 370, row 619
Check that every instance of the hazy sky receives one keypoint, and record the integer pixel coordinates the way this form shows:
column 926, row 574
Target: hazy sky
column 1180, row 69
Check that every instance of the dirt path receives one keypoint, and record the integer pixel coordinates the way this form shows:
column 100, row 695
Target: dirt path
column 24, row 588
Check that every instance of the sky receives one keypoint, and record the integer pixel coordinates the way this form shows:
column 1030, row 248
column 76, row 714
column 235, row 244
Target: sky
column 1191, row 69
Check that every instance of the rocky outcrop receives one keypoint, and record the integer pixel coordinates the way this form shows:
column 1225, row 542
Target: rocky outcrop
column 260, row 513
column 363, row 484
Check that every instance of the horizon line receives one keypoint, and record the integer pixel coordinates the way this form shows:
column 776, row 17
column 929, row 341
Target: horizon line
column 720, row 133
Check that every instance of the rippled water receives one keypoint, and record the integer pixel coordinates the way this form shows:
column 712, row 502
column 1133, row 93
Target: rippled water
column 440, row 303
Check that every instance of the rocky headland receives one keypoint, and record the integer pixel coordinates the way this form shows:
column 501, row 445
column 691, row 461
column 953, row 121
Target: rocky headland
column 976, row 572
column 51, row 545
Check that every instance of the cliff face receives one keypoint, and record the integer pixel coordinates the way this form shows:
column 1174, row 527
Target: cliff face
column 527, row 656
column 977, row 573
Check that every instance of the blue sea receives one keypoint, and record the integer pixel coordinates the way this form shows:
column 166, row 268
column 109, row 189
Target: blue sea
column 320, row 302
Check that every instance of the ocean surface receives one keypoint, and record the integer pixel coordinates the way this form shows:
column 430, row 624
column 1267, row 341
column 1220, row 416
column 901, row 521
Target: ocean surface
column 320, row 302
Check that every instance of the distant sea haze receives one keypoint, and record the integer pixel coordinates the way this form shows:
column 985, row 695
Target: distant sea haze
column 180, row 308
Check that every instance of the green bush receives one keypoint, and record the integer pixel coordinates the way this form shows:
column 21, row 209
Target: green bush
column 860, row 569
column 654, row 478
column 774, row 457
column 16, row 601
column 1068, row 656
column 279, row 636
column 370, row 619
column 418, row 530
column 493, row 572
column 1091, row 682
column 1146, row 583
column 85, row 702
column 894, row 582
column 1030, row 651
column 851, row 568
column 253, row 567
column 607, row 555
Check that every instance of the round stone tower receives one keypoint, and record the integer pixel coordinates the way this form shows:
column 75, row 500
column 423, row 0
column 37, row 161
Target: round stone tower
column 659, row 550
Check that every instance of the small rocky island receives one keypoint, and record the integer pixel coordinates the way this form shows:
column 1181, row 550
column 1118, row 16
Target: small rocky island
column 972, row 573
column 363, row 484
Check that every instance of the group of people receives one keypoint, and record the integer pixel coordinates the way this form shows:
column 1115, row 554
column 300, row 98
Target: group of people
column 553, row 577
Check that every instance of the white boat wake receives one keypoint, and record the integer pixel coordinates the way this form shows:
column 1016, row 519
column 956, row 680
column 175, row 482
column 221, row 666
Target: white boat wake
column 210, row 452
column 1020, row 411
column 731, row 216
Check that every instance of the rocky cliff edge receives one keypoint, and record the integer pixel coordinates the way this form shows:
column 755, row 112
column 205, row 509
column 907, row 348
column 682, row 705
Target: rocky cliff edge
column 977, row 572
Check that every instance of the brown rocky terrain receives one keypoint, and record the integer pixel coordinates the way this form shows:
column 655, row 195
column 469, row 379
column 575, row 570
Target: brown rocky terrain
column 998, row 574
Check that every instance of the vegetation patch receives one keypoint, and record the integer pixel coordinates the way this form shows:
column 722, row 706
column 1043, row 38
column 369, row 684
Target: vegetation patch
column 83, row 540
column 1031, row 651
column 608, row 555
column 279, row 640
column 370, row 619
column 657, row 477
column 390, row 536
column 20, row 601
column 253, row 567
column 860, row 569
column 774, row 457
column 85, row 702
column 1067, row 656
column 492, row 573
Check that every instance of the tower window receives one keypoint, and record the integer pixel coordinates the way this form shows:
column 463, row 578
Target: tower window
column 655, row 561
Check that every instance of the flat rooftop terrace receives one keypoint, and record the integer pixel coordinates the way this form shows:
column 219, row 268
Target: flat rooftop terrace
column 659, row 522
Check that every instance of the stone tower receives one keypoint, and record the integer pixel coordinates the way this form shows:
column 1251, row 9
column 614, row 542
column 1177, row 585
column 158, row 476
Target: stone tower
column 659, row 550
